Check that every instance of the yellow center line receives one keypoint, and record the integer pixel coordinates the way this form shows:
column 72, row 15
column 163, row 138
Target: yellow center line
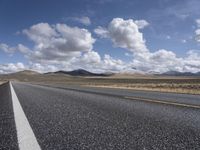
column 163, row 102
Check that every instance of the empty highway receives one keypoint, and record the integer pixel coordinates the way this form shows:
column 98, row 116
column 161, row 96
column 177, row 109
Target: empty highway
column 83, row 118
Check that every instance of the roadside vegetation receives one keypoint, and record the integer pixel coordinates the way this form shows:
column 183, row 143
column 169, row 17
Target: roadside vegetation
column 175, row 85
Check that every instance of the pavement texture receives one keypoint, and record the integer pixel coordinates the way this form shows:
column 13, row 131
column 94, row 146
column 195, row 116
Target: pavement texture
column 8, row 135
column 93, row 120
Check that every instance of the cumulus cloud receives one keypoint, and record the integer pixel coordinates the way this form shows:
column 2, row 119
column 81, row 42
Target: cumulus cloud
column 86, row 60
column 84, row 20
column 42, row 67
column 58, row 42
column 197, row 35
column 125, row 34
column 141, row 23
column 15, row 67
column 114, row 65
column 197, row 31
column 102, row 32
column 11, row 50
column 92, row 61
column 11, row 67
column 7, row 49
column 158, row 61
column 62, row 47
column 198, row 22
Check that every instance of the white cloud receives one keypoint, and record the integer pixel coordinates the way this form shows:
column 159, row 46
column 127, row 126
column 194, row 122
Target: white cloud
column 7, row 49
column 197, row 35
column 57, row 47
column 124, row 34
column 141, row 23
column 102, row 32
column 192, row 61
column 40, row 33
column 11, row 50
column 11, row 67
column 197, row 31
column 91, row 57
column 87, row 60
column 198, row 22
column 42, row 67
column 55, row 43
column 93, row 62
column 84, row 20
column 114, row 65
column 158, row 61
column 61, row 47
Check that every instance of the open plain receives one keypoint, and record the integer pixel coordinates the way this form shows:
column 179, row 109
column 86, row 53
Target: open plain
column 174, row 84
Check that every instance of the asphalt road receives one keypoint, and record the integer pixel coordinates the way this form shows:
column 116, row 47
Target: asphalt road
column 8, row 136
column 90, row 118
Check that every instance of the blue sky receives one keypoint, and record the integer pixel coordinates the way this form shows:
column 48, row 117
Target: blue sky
column 171, row 26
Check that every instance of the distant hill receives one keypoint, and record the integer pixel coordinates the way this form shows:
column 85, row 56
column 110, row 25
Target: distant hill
column 78, row 72
column 176, row 73
column 26, row 72
column 26, row 75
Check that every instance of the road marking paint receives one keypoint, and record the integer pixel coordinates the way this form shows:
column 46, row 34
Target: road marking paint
column 25, row 135
column 163, row 102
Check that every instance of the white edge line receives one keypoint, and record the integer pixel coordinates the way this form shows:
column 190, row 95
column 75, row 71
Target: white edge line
column 25, row 135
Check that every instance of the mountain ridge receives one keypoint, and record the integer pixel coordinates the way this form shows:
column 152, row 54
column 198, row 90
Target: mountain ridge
column 85, row 73
column 78, row 72
column 177, row 73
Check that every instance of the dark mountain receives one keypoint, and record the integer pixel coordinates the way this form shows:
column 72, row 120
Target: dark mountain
column 176, row 73
column 79, row 72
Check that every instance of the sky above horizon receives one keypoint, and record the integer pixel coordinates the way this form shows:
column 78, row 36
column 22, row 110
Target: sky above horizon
column 100, row 36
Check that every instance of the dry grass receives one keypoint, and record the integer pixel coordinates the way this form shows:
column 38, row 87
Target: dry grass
column 183, row 88
column 185, row 85
column 2, row 83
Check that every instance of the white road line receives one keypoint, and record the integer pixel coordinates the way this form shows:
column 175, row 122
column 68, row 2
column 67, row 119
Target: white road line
column 25, row 135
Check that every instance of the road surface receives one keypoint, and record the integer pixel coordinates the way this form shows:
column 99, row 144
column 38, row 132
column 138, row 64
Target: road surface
column 90, row 118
